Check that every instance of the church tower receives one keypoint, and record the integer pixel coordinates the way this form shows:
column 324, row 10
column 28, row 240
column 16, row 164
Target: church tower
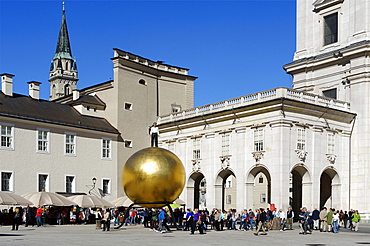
column 63, row 70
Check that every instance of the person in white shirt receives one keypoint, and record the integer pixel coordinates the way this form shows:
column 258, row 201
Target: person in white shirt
column 154, row 133
column 282, row 220
column 335, row 222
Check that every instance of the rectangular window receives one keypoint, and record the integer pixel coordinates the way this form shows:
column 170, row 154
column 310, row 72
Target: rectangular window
column 260, row 180
column 196, row 149
column 229, row 182
column 128, row 143
column 258, row 139
column 332, row 93
column 42, row 141
column 6, row 181
column 43, row 182
column 263, row 198
column 228, row 199
column 225, row 144
column 70, row 184
column 106, row 186
column 70, row 144
column 128, row 106
column 331, row 143
column 106, row 149
column 301, row 139
column 175, row 108
column 6, row 141
column 331, row 29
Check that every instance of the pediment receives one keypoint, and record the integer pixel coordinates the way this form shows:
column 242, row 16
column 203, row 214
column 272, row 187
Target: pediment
column 322, row 4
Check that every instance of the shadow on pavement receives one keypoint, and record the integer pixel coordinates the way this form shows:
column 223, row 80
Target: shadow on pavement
column 11, row 235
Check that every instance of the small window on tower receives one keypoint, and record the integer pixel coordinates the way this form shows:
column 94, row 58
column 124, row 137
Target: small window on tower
column 67, row 90
column 142, row 82
column 128, row 143
column 128, row 106
column 175, row 108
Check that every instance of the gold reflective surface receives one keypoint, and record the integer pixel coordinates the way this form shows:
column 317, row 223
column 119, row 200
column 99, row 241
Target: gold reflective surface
column 153, row 175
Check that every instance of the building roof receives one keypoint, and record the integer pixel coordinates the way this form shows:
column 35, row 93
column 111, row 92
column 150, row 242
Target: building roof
column 156, row 65
column 89, row 100
column 24, row 107
column 85, row 91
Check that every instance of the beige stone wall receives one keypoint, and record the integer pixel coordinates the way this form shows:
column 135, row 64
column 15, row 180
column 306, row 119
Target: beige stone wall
column 126, row 89
column 26, row 163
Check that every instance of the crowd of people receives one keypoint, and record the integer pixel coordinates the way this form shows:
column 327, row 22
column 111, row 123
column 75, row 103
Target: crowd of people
column 161, row 219
column 38, row 216
column 247, row 220
column 328, row 220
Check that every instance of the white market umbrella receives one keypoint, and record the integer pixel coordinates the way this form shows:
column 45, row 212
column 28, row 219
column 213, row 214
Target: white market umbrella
column 8, row 198
column 88, row 201
column 124, row 201
column 180, row 202
column 48, row 199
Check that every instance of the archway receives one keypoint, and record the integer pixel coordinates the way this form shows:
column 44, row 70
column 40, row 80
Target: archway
column 225, row 192
column 196, row 190
column 261, row 197
column 329, row 188
column 258, row 187
column 300, row 188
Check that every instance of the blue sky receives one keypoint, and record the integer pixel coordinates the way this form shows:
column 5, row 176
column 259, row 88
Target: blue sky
column 235, row 48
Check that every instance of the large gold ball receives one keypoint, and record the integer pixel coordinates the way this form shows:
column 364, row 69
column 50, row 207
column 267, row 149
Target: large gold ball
column 153, row 175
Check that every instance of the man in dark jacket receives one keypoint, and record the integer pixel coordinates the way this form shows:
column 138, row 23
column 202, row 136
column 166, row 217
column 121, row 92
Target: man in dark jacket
column 261, row 219
column 29, row 216
column 316, row 219
column 303, row 217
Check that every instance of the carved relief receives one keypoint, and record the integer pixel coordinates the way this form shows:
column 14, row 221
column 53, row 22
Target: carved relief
column 196, row 165
column 258, row 156
column 331, row 158
column 225, row 162
column 301, row 154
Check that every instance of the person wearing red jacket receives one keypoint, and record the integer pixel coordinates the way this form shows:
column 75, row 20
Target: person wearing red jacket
column 39, row 216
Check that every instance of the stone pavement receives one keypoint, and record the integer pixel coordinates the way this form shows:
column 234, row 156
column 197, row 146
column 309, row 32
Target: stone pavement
column 137, row 235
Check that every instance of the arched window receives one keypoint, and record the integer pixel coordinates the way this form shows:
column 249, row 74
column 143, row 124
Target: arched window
column 67, row 90
column 53, row 92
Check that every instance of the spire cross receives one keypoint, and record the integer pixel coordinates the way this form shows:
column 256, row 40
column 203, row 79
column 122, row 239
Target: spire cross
column 63, row 3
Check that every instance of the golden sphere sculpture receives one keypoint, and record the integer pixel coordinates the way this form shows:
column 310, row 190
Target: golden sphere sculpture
column 153, row 175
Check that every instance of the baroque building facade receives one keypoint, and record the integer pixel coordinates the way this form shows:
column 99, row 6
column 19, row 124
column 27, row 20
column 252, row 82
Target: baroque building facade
column 309, row 144
column 305, row 146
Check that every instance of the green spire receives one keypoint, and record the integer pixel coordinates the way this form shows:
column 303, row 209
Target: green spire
column 63, row 46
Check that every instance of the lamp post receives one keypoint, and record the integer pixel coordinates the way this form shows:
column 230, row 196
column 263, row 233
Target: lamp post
column 94, row 182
